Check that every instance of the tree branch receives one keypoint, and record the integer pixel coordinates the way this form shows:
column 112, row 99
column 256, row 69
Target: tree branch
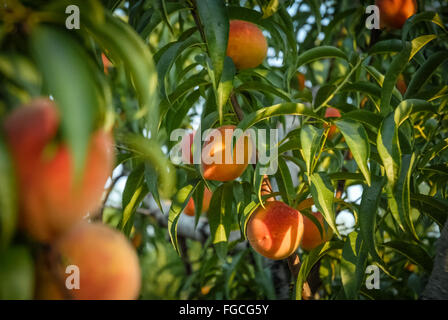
column 437, row 286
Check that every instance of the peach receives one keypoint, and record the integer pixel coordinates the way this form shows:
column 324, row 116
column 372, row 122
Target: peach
column 247, row 45
column 394, row 13
column 332, row 113
column 217, row 162
column 190, row 208
column 106, row 63
column 107, row 263
column 275, row 231
column 300, row 81
column 50, row 200
column 311, row 235
column 401, row 84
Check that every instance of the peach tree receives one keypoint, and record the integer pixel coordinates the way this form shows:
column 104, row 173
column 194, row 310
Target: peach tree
column 147, row 68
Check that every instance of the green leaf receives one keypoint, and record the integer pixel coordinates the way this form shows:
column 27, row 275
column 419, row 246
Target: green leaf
column 323, row 194
column 213, row 15
column 386, row 46
column 335, row 176
column 21, row 71
column 399, row 196
column 152, row 178
column 231, row 271
column 124, row 44
column 225, row 87
column 419, row 43
column 258, row 182
column 220, row 218
column 435, row 208
column 389, row 149
column 198, row 197
column 149, row 150
column 431, row 153
column 353, row 264
column 421, row 17
column 323, row 93
column 357, row 140
column 315, row 9
column 8, row 197
column 16, row 274
column 133, row 194
column 311, row 139
column 248, row 210
column 74, row 89
column 287, row 108
column 270, row 8
column 397, row 66
column 258, row 86
column 380, row 80
column 413, row 252
column 310, row 260
column 370, row 201
column 284, row 181
column 178, row 204
column 364, row 116
column 318, row 53
column 337, row 18
column 424, row 73
column 167, row 58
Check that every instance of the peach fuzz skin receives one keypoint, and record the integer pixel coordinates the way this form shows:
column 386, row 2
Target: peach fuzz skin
column 108, row 265
column 311, row 234
column 219, row 150
column 247, row 46
column 275, row 231
column 190, row 208
column 50, row 200
column 394, row 13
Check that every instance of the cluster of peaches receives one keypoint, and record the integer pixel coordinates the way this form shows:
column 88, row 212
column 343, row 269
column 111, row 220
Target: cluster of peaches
column 53, row 202
column 276, row 230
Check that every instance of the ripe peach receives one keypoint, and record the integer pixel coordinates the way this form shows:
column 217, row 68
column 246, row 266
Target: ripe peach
column 247, row 45
column 137, row 240
column 311, row 235
column 50, row 200
column 217, row 162
column 401, row 84
column 205, row 290
column 332, row 112
column 108, row 264
column 190, row 208
column 276, row 230
column 394, row 13
column 106, row 63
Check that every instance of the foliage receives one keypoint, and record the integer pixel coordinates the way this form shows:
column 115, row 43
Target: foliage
column 170, row 71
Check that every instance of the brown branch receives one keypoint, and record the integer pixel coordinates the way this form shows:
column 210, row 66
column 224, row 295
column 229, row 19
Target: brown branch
column 236, row 106
column 98, row 216
column 197, row 20
column 294, row 267
column 437, row 286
